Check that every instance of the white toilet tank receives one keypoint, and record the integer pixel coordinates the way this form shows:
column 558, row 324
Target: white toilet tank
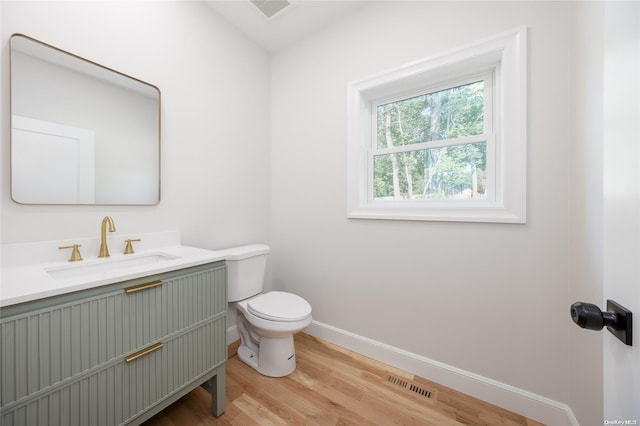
column 246, row 267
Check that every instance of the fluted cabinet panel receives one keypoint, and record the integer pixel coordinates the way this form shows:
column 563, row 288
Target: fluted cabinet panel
column 65, row 365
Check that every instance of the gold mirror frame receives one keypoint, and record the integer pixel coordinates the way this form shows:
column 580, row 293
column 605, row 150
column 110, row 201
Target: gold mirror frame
column 80, row 151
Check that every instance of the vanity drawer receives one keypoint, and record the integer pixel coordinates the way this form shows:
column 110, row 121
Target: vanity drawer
column 147, row 311
column 120, row 391
column 48, row 346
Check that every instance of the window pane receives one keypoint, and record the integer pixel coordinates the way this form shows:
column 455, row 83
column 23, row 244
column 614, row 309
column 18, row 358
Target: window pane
column 447, row 114
column 452, row 172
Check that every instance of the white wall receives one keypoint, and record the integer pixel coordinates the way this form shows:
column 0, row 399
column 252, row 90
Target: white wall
column 215, row 118
column 490, row 299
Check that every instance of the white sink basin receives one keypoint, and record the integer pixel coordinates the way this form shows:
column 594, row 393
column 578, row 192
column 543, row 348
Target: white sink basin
column 32, row 271
column 111, row 265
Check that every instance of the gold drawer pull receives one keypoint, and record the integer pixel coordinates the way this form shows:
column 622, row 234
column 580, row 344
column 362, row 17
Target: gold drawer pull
column 141, row 287
column 144, row 352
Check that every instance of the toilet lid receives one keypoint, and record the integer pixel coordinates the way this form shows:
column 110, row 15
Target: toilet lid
column 279, row 306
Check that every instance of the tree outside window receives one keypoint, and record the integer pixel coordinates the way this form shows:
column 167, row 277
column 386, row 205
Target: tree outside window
column 454, row 171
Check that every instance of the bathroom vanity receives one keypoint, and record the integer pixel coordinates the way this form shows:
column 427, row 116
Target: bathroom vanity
column 100, row 349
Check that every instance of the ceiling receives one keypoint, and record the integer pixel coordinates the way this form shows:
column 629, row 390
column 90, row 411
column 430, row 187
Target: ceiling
column 300, row 18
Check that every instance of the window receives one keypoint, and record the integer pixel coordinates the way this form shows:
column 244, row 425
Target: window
column 434, row 145
column 443, row 138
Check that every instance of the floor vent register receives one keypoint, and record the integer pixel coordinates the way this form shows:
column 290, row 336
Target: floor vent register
column 409, row 386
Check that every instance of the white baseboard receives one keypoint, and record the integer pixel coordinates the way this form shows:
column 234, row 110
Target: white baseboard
column 517, row 400
column 232, row 334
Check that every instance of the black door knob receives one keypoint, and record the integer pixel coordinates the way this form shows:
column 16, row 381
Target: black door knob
column 589, row 316
column 617, row 319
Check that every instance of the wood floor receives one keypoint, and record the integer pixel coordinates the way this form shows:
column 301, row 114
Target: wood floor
column 334, row 386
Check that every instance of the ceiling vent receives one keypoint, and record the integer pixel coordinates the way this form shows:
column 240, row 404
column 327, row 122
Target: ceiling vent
column 271, row 8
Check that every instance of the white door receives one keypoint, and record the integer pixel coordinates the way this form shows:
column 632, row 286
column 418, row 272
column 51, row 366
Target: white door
column 622, row 205
column 51, row 163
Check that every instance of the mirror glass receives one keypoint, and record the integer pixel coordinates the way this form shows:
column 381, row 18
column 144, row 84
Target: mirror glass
column 81, row 133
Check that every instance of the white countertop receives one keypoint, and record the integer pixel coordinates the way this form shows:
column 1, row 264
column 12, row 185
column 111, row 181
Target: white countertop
column 24, row 276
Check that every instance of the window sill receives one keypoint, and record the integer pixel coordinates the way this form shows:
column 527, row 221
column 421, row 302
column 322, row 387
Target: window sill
column 450, row 211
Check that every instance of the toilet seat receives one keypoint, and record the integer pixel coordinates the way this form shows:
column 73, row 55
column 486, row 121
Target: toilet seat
column 279, row 306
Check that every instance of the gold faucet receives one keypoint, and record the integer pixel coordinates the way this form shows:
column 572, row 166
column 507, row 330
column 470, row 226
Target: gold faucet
column 75, row 254
column 104, row 250
column 129, row 248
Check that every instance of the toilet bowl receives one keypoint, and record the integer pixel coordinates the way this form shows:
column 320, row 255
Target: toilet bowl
column 266, row 324
column 266, row 321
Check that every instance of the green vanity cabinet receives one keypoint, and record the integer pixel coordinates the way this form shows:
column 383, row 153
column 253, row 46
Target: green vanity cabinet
column 115, row 354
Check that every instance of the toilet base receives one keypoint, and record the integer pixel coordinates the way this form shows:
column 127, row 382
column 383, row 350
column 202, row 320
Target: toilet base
column 275, row 357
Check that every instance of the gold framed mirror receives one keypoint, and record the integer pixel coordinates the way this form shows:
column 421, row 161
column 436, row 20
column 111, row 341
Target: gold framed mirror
column 81, row 133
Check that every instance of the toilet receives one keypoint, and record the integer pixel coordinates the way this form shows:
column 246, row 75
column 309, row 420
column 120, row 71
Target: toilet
column 266, row 321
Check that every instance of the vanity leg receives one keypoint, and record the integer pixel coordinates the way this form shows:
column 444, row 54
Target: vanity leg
column 216, row 387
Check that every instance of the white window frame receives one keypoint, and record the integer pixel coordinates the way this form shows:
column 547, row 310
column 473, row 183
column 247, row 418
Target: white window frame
column 504, row 58
column 488, row 136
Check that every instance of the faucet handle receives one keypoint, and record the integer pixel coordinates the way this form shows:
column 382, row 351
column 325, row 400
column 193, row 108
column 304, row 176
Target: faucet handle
column 129, row 248
column 75, row 254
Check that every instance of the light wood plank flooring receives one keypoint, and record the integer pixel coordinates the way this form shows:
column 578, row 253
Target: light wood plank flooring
column 334, row 386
